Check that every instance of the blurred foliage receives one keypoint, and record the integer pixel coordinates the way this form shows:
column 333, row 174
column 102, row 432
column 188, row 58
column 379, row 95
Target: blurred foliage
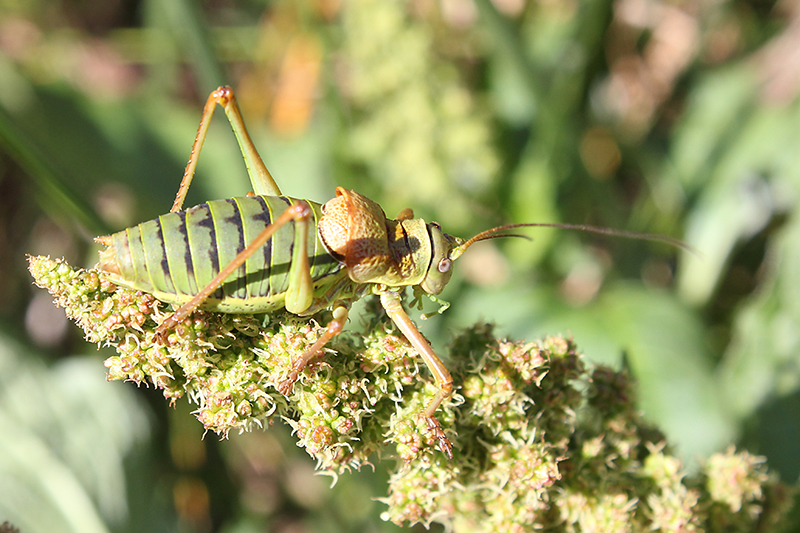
column 668, row 117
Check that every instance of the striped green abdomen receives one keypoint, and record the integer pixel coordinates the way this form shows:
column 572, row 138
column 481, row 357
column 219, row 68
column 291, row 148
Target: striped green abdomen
column 177, row 254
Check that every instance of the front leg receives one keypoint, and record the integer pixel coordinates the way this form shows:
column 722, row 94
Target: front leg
column 335, row 327
column 394, row 308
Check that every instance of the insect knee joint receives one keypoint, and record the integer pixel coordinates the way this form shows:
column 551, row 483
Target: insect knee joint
column 301, row 211
column 223, row 95
column 446, row 387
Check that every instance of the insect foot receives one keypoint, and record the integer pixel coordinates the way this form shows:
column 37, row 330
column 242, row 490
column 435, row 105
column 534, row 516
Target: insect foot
column 444, row 443
column 163, row 330
column 285, row 387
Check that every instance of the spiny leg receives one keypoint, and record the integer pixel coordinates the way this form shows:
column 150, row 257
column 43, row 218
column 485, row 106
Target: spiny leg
column 394, row 308
column 334, row 328
column 299, row 212
column 260, row 178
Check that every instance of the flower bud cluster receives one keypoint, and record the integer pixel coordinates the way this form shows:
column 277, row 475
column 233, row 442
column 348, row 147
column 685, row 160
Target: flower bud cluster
column 541, row 439
column 230, row 366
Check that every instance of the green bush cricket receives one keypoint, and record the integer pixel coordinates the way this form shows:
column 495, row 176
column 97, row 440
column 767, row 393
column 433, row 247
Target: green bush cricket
column 265, row 251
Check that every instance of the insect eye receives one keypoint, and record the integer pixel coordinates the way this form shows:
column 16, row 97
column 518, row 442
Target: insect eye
column 444, row 265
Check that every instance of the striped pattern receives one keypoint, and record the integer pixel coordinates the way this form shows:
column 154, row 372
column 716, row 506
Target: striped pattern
column 177, row 254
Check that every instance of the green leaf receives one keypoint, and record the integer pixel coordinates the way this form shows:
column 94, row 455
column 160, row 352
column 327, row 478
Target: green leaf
column 66, row 435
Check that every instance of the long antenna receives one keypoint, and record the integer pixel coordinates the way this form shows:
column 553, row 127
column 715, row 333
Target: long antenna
column 493, row 234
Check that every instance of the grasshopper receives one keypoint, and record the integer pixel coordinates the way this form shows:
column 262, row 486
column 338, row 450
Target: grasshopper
column 265, row 251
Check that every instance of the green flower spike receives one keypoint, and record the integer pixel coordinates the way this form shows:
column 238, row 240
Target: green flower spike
column 542, row 439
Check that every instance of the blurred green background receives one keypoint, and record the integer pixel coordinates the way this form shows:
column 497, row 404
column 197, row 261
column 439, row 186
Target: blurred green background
column 673, row 117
